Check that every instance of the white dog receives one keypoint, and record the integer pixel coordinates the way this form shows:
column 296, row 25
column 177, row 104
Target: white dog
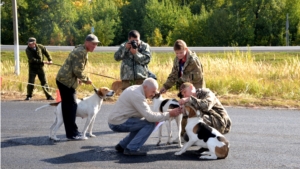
column 162, row 105
column 201, row 134
column 88, row 107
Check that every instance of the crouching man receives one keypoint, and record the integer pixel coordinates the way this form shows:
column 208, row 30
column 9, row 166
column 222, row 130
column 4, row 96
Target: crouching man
column 132, row 114
column 212, row 111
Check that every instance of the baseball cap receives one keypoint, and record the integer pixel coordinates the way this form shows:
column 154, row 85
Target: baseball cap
column 31, row 40
column 92, row 38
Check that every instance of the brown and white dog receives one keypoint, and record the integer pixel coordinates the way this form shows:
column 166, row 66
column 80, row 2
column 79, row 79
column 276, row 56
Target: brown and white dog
column 162, row 105
column 201, row 134
column 88, row 107
column 117, row 86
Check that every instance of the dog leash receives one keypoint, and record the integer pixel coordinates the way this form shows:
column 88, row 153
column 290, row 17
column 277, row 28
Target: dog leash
column 95, row 89
column 89, row 72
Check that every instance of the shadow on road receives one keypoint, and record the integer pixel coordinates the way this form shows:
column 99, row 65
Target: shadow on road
column 98, row 153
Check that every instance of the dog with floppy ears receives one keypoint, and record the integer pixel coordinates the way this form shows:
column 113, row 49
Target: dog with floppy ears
column 162, row 105
column 201, row 134
column 88, row 107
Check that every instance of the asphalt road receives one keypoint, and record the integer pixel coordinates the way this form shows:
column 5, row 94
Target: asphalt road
column 170, row 49
column 259, row 139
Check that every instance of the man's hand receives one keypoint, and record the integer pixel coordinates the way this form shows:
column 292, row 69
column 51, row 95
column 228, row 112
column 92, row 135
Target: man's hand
column 163, row 90
column 175, row 112
column 88, row 82
column 183, row 100
column 133, row 51
column 47, row 62
column 128, row 45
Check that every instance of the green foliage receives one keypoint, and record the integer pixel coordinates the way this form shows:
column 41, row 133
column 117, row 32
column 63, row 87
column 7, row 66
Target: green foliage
column 156, row 38
column 198, row 22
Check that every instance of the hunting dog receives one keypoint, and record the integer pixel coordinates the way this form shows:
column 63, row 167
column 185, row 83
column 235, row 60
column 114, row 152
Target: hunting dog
column 201, row 134
column 117, row 86
column 88, row 107
column 162, row 105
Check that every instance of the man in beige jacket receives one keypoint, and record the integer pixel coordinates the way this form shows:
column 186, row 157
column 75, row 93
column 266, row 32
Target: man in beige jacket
column 132, row 114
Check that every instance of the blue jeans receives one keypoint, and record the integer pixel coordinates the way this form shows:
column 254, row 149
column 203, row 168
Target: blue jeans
column 139, row 131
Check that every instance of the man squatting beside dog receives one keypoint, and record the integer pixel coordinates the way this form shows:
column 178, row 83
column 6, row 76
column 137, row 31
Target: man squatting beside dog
column 132, row 114
column 68, row 77
column 186, row 68
column 212, row 110
column 135, row 55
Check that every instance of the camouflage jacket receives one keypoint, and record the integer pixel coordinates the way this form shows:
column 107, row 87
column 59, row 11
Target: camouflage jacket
column 209, row 104
column 73, row 68
column 192, row 72
column 134, row 66
column 36, row 57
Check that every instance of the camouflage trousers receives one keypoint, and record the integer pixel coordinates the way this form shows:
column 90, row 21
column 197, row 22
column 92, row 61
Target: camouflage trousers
column 127, row 83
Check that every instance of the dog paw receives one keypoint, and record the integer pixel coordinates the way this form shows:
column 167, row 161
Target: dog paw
column 92, row 135
column 178, row 153
column 84, row 138
column 55, row 138
column 180, row 145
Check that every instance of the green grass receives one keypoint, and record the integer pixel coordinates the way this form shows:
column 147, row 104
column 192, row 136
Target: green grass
column 238, row 78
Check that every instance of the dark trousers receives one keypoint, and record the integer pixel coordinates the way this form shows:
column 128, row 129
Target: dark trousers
column 68, row 107
column 42, row 77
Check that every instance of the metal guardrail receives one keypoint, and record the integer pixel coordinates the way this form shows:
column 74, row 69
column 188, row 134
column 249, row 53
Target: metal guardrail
column 170, row 49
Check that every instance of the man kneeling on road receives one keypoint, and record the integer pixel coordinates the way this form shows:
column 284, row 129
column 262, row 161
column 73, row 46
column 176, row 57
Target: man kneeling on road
column 132, row 114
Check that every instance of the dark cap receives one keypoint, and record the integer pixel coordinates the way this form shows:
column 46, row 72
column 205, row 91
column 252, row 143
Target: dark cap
column 92, row 38
column 185, row 85
column 31, row 40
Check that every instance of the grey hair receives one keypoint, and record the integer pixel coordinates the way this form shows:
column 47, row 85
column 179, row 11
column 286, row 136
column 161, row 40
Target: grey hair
column 151, row 83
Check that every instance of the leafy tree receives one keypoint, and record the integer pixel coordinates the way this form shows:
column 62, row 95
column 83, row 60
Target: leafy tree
column 156, row 38
column 163, row 15
column 131, row 19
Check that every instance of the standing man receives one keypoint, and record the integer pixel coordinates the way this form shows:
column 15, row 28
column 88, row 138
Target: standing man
column 132, row 114
column 69, row 76
column 135, row 55
column 35, row 54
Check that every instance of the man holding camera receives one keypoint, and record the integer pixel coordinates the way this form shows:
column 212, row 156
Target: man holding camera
column 135, row 55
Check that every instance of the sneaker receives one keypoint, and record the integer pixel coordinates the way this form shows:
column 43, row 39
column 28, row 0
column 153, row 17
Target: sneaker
column 50, row 98
column 119, row 148
column 28, row 98
column 134, row 153
column 75, row 138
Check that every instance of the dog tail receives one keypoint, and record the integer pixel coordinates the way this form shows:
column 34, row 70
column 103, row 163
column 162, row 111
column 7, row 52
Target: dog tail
column 47, row 105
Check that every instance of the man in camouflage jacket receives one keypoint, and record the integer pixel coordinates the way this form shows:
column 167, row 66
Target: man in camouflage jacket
column 135, row 55
column 35, row 54
column 68, row 77
column 212, row 110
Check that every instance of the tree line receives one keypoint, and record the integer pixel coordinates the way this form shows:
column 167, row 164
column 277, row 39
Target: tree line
column 160, row 22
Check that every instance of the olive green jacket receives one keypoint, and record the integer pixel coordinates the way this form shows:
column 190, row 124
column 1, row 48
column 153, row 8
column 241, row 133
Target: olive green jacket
column 36, row 57
column 73, row 68
column 192, row 72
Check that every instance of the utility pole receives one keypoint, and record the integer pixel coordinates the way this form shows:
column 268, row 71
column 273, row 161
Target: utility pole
column 16, row 37
column 287, row 30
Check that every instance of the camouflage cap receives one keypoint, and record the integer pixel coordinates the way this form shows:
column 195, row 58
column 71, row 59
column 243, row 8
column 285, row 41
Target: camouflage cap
column 31, row 40
column 92, row 38
column 185, row 85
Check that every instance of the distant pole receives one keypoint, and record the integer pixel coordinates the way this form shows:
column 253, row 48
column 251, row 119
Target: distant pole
column 287, row 30
column 16, row 37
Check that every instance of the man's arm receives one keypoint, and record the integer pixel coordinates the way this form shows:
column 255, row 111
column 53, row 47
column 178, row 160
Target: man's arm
column 121, row 53
column 32, row 59
column 143, row 57
column 79, row 61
